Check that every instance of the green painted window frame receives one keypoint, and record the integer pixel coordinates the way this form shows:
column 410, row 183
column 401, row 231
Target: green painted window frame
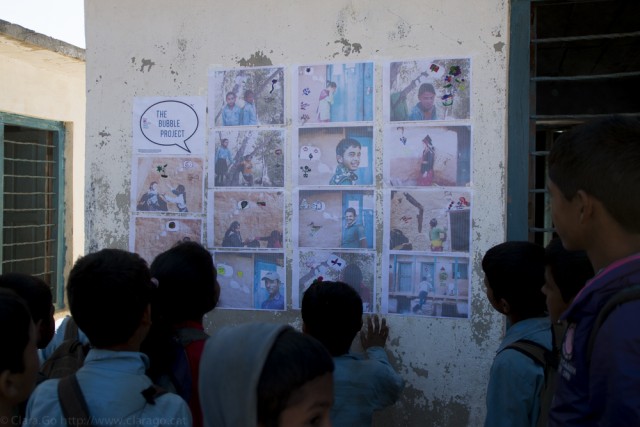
column 58, row 130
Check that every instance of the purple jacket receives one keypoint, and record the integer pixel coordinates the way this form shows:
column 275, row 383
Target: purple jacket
column 603, row 391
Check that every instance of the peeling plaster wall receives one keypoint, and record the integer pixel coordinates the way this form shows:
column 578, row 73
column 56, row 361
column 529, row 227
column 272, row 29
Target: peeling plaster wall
column 165, row 48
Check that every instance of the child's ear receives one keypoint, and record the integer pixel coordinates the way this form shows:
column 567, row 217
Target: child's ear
column 339, row 159
column 586, row 204
column 504, row 306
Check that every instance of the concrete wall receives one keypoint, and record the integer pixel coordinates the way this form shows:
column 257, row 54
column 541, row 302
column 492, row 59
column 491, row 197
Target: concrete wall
column 44, row 78
column 165, row 48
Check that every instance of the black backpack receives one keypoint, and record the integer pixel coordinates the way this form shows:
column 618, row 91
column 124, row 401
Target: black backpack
column 69, row 356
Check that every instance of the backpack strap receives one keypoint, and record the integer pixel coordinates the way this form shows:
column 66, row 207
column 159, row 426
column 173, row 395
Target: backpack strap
column 536, row 352
column 71, row 330
column 627, row 294
column 74, row 406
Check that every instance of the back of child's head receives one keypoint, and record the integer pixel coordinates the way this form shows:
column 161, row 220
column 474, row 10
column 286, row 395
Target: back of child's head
column 344, row 144
column 601, row 157
column 294, row 360
column 570, row 269
column 37, row 294
column 187, row 287
column 331, row 84
column 515, row 272
column 109, row 291
column 15, row 329
column 332, row 313
column 249, row 373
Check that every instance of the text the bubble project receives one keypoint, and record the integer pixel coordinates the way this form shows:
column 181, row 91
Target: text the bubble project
column 171, row 126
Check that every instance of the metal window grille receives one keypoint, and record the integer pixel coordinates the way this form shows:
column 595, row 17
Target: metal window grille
column 30, row 196
column 582, row 64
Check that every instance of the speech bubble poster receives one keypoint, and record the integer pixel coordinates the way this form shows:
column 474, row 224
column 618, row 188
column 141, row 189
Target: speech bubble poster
column 169, row 125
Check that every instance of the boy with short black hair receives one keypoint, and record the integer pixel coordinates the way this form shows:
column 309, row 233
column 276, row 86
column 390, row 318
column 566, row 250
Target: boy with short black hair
column 514, row 274
column 594, row 182
column 332, row 313
column 231, row 113
column 109, row 297
column 348, row 152
column 37, row 294
column 249, row 116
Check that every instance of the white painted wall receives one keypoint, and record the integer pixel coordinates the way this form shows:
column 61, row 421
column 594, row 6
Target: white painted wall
column 38, row 81
column 445, row 362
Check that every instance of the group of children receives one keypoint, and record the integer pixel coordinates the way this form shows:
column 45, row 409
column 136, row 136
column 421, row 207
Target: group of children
column 152, row 363
column 233, row 115
column 142, row 321
column 588, row 374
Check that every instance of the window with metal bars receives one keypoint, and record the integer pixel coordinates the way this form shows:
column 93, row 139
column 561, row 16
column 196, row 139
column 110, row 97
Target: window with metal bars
column 570, row 61
column 32, row 199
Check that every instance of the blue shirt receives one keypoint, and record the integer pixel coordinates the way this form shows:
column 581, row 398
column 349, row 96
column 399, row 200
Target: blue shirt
column 276, row 303
column 231, row 116
column 361, row 386
column 352, row 236
column 249, row 116
column 225, row 154
column 418, row 114
column 515, row 381
column 58, row 338
column 111, row 382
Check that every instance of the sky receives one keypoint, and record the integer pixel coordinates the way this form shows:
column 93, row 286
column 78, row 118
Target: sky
column 60, row 19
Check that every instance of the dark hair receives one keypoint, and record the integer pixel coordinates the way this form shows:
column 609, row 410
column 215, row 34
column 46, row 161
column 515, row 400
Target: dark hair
column 152, row 184
column 426, row 87
column 186, row 283
column 230, row 93
column 515, row 272
column 37, row 294
column 179, row 190
column 570, row 269
column 33, row 290
column 109, row 291
column 248, row 92
column 15, row 327
column 433, row 222
column 346, row 143
column 351, row 210
column 332, row 313
column 294, row 360
column 601, row 157
column 331, row 84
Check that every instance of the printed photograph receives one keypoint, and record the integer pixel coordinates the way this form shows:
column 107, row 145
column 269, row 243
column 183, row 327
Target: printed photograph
column 247, row 219
column 335, row 156
column 251, row 281
column 336, row 219
column 433, row 286
column 356, row 269
column 152, row 236
column 438, row 89
column 168, row 184
column 335, row 93
column 252, row 158
column 429, row 220
column 427, row 156
column 246, row 97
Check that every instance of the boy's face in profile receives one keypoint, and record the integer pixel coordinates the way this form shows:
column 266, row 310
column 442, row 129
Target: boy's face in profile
column 312, row 404
column 492, row 299
column 555, row 304
column 231, row 100
column 351, row 158
column 566, row 217
column 426, row 100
